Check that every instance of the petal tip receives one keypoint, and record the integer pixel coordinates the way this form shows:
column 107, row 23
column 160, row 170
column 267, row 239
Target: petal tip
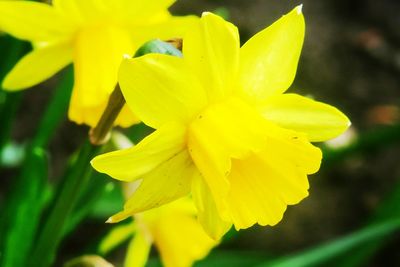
column 299, row 9
column 9, row 85
column 205, row 13
column 93, row 163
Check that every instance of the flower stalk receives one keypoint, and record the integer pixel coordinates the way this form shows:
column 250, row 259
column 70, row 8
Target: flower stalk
column 100, row 134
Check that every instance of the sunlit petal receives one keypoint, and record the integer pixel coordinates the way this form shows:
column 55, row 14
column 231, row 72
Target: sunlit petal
column 318, row 120
column 181, row 240
column 38, row 65
column 268, row 61
column 169, row 181
column 138, row 250
column 130, row 164
column 212, row 51
column 207, row 211
column 98, row 53
column 263, row 184
column 33, row 21
column 160, row 88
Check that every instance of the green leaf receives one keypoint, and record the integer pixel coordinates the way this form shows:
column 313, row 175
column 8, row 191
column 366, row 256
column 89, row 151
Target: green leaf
column 20, row 218
column 11, row 51
column 322, row 253
column 388, row 209
column 100, row 200
column 76, row 178
column 21, row 215
column 233, row 259
column 110, row 202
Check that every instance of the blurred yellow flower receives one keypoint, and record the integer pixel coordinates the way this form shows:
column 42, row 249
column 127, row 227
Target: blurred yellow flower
column 94, row 35
column 172, row 228
column 225, row 130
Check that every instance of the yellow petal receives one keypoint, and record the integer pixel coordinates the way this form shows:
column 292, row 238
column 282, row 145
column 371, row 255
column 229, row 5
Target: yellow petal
column 208, row 215
column 116, row 236
column 159, row 89
column 138, row 12
column 167, row 28
column 230, row 129
column 130, row 164
column 97, row 55
column 268, row 61
column 71, row 9
column 212, row 50
column 38, row 65
column 263, row 184
column 33, row 21
column 169, row 181
column 138, row 250
column 181, row 240
column 318, row 120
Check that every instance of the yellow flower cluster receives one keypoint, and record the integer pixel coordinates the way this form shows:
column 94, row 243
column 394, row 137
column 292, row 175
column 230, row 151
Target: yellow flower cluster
column 92, row 34
column 230, row 146
column 226, row 132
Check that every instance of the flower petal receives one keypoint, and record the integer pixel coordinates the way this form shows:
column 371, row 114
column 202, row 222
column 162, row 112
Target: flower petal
column 72, row 9
column 38, row 65
column 116, row 236
column 97, row 56
column 138, row 250
column 138, row 12
column 208, row 215
column 130, row 164
column 167, row 28
column 181, row 240
column 268, row 61
column 318, row 120
column 212, row 50
column 263, row 184
column 159, row 89
column 169, row 181
column 229, row 129
column 33, row 21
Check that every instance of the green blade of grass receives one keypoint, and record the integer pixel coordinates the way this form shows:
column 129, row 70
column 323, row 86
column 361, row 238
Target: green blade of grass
column 321, row 254
column 75, row 180
column 11, row 50
column 388, row 209
column 20, row 218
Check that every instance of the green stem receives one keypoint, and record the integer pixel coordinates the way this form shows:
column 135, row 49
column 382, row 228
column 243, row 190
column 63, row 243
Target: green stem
column 7, row 115
column 75, row 180
column 9, row 101
column 20, row 218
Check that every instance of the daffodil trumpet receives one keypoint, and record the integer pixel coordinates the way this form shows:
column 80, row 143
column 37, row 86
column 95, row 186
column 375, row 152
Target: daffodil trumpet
column 100, row 134
column 226, row 133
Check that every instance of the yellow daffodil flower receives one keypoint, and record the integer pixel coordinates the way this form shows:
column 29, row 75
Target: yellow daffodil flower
column 94, row 35
column 172, row 228
column 226, row 131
